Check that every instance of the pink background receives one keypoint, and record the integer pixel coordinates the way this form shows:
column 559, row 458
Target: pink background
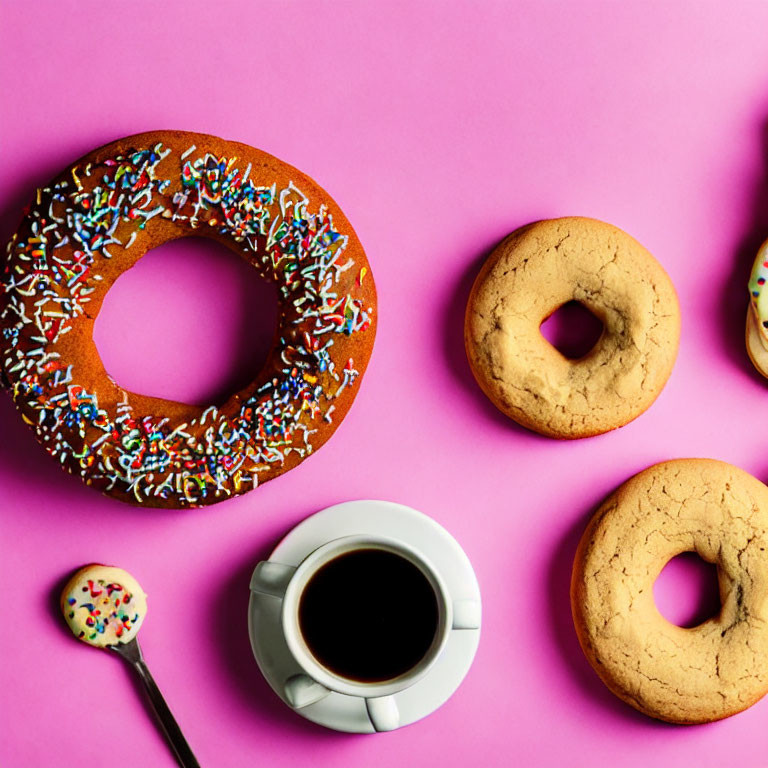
column 438, row 128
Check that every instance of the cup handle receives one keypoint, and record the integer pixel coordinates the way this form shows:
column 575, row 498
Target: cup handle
column 271, row 578
column 301, row 691
column 383, row 713
column 466, row 614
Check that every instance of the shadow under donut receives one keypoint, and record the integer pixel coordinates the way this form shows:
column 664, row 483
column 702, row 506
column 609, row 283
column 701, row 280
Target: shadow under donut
column 453, row 344
column 564, row 633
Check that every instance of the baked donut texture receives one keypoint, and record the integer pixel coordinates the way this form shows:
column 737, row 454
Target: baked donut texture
column 530, row 275
column 672, row 673
column 103, row 605
column 96, row 220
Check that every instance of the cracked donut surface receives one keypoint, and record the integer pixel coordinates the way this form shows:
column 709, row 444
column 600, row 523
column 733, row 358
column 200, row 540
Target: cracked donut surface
column 531, row 274
column 681, row 675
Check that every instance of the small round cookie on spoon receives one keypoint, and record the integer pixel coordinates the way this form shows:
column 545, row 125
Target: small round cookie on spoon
column 105, row 606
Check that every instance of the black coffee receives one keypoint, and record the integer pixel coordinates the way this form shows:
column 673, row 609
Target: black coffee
column 368, row 615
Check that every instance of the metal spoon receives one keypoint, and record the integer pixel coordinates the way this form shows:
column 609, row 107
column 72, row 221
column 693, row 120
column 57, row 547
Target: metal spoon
column 131, row 652
column 104, row 607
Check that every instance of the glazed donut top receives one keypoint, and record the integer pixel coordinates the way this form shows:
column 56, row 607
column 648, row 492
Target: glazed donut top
column 95, row 221
column 757, row 293
column 103, row 605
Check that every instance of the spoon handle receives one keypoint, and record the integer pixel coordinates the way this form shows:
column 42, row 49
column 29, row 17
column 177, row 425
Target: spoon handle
column 181, row 749
column 131, row 652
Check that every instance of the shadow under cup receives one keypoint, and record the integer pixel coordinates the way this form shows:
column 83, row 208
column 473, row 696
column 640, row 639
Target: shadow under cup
column 368, row 617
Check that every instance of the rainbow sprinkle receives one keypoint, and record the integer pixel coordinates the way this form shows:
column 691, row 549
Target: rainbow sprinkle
column 757, row 293
column 53, row 268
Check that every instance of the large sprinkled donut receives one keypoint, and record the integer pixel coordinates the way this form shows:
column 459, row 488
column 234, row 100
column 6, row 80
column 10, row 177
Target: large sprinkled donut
column 95, row 221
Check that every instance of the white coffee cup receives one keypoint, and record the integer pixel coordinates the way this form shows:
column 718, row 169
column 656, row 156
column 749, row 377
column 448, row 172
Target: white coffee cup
column 316, row 681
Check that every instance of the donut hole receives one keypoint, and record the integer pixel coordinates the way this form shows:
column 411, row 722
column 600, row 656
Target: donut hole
column 686, row 591
column 572, row 330
column 190, row 322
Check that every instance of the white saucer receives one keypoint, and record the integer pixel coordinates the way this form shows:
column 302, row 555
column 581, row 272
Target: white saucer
column 382, row 518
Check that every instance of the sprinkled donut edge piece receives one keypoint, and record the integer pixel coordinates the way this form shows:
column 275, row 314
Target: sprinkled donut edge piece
column 757, row 313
